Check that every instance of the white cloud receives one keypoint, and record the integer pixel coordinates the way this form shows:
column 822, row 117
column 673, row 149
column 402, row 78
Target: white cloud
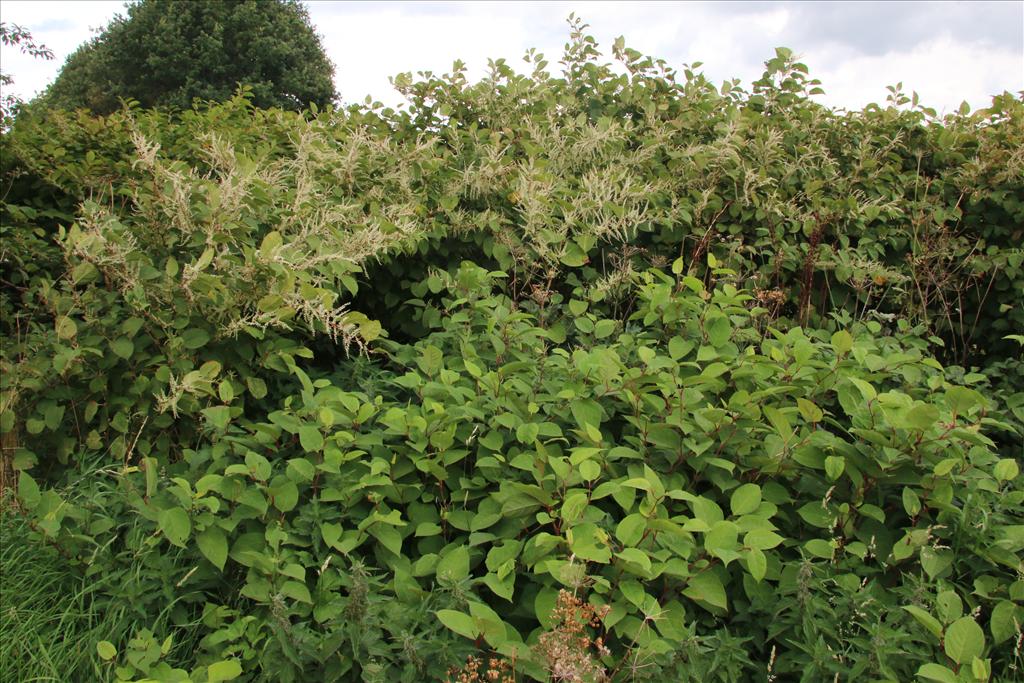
column 60, row 25
column 955, row 52
column 943, row 71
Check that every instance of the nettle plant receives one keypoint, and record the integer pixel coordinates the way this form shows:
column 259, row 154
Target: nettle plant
column 734, row 499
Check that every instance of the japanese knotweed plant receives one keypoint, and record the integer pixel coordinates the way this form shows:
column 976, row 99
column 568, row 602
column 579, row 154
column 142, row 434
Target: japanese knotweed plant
column 734, row 499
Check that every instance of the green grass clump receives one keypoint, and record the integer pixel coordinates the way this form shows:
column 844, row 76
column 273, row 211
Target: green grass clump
column 46, row 611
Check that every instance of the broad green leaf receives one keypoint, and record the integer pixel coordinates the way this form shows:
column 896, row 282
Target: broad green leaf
column 964, row 640
column 928, row 621
column 455, row 565
column 195, row 338
column 745, row 499
column 1006, row 469
column 213, row 544
column 460, row 623
column 300, row 470
column 224, row 670
column 842, row 342
column 706, row 587
column 721, row 540
column 218, row 416
column 589, row 542
column 66, row 328
column 921, row 417
column 1005, row 620
column 296, row 590
column 936, row 672
column 176, row 525
column 780, row 422
column 310, row 438
column 961, row 399
column 631, row 529
column 818, row 547
column 257, row 387
column 106, row 650
column 949, row 606
column 527, row 432
column 809, row 410
column 762, row 539
column 757, row 564
column 28, row 490
column 636, row 556
column 122, row 348
column 911, row 503
column 834, row 466
column 388, row 536
column 718, row 329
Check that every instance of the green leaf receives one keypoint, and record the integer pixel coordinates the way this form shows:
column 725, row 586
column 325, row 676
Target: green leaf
column 679, row 347
column 66, row 328
column 948, row 606
column 745, row 499
column 106, row 650
column 721, row 540
column 527, row 433
column 706, row 587
column 964, row 640
column 388, row 536
column 195, row 338
column 28, row 490
column 586, row 412
column 757, row 564
column 762, row 539
column 921, row 417
column 810, row 412
column 834, row 466
column 296, row 590
column 780, row 422
column 936, row 672
column 310, row 438
column 928, row 621
column 258, row 466
column 1004, row 621
column 213, row 544
column 636, row 556
column 454, row 566
column 842, row 342
column 911, row 503
column 176, row 525
column 819, row 548
column 631, row 529
column 718, row 329
column 589, row 542
column 257, row 387
column 460, row 623
column 1006, row 469
column 961, row 399
column 218, row 416
column 225, row 670
column 123, row 348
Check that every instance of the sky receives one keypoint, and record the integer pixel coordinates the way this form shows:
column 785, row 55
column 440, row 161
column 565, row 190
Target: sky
column 948, row 52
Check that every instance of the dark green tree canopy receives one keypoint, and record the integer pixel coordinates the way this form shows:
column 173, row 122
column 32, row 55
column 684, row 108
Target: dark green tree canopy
column 168, row 52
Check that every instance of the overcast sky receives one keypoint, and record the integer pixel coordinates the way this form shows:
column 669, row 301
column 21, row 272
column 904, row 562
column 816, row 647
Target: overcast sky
column 946, row 51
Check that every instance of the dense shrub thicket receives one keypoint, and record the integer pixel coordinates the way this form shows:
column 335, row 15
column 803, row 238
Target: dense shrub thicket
column 614, row 374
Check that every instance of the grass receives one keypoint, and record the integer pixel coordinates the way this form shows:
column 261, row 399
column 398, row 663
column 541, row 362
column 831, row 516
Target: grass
column 48, row 624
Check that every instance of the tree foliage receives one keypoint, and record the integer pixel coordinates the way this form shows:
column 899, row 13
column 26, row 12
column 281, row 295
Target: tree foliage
column 618, row 374
column 165, row 53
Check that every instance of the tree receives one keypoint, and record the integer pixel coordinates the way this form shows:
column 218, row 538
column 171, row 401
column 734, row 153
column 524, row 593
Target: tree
column 17, row 36
column 165, row 53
